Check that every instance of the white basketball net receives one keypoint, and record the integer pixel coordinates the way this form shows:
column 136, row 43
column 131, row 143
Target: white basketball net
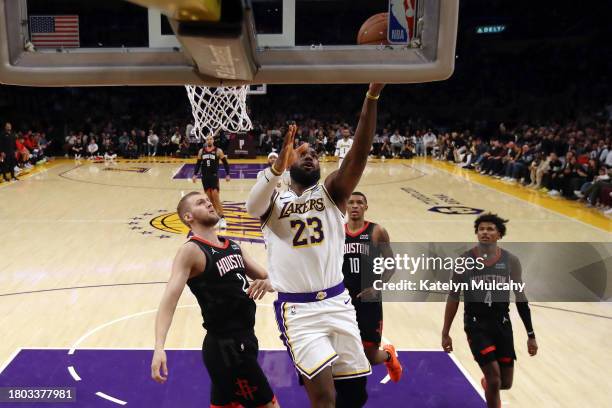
column 221, row 108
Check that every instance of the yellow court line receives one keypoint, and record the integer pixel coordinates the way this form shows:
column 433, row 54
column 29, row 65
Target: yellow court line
column 572, row 209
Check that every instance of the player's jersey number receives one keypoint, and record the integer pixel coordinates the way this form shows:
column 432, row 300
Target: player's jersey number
column 307, row 233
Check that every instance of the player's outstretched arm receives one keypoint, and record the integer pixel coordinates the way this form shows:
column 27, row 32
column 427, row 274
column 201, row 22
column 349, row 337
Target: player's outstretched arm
column 342, row 182
column 181, row 268
column 522, row 305
column 260, row 196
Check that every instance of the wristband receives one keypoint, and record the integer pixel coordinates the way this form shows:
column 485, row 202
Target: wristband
column 372, row 97
column 275, row 172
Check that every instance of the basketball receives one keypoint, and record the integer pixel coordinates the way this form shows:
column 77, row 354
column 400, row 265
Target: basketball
column 374, row 30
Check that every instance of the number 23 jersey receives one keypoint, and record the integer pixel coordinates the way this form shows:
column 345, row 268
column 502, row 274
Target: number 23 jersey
column 305, row 241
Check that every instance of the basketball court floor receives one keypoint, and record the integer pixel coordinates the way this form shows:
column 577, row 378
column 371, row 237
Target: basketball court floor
column 87, row 248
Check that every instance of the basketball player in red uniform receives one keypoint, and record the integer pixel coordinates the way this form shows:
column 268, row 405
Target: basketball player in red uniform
column 486, row 319
column 364, row 242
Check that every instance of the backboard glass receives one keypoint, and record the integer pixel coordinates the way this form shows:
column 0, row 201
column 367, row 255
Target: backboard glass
column 256, row 41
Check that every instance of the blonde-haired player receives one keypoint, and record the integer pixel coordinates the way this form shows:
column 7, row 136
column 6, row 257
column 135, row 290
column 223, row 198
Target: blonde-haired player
column 304, row 233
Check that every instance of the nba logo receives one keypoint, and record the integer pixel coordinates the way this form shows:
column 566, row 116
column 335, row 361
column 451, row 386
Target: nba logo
column 402, row 15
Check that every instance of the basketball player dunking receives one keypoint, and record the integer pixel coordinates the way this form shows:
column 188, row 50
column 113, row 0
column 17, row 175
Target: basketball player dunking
column 486, row 320
column 304, row 233
column 208, row 165
column 364, row 242
column 216, row 270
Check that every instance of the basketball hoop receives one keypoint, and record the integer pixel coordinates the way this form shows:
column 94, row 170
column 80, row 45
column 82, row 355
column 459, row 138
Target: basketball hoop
column 220, row 108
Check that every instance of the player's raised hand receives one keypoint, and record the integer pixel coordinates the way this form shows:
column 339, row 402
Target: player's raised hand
column 159, row 363
column 258, row 288
column 288, row 154
column 532, row 347
column 447, row 343
column 227, row 177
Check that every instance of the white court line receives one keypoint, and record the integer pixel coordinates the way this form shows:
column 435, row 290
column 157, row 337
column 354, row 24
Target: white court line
column 73, row 373
column 10, row 359
column 94, row 330
column 176, row 171
column 467, row 375
column 519, row 199
column 112, row 399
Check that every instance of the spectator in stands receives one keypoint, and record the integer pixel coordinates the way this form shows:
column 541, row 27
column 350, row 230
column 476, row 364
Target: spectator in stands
column 164, row 143
column 550, row 180
column 429, row 141
column 385, row 150
column 92, row 149
column 124, row 140
column 407, row 151
column 77, row 147
column 131, row 151
column 396, row 143
column 492, row 161
column 23, row 154
column 152, row 142
column 418, row 143
column 175, row 142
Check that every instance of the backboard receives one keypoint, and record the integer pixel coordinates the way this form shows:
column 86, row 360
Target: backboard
column 222, row 42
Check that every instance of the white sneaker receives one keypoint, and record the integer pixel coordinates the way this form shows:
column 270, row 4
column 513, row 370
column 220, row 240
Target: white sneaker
column 554, row 193
column 578, row 194
column 608, row 212
column 222, row 223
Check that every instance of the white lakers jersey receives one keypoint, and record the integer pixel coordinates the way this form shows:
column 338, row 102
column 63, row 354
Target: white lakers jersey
column 305, row 241
column 343, row 146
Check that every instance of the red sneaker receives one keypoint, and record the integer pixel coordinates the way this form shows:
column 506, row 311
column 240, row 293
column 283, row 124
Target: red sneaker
column 394, row 367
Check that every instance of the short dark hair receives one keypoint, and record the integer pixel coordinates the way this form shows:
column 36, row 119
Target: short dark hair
column 181, row 208
column 359, row 193
column 499, row 222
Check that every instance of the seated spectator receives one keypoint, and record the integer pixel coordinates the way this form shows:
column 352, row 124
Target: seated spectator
column 23, row 154
column 385, row 150
column 77, row 148
column 131, row 150
column 396, row 143
column 407, row 151
column 92, row 149
column 429, row 142
column 152, row 142
column 551, row 180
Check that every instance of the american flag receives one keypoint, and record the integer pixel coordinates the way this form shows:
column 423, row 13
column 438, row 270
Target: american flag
column 55, row 31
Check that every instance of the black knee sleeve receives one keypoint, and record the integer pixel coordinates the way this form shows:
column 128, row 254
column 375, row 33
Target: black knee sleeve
column 351, row 393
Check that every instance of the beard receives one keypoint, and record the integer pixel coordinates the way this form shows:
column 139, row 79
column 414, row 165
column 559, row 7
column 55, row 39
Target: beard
column 304, row 177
